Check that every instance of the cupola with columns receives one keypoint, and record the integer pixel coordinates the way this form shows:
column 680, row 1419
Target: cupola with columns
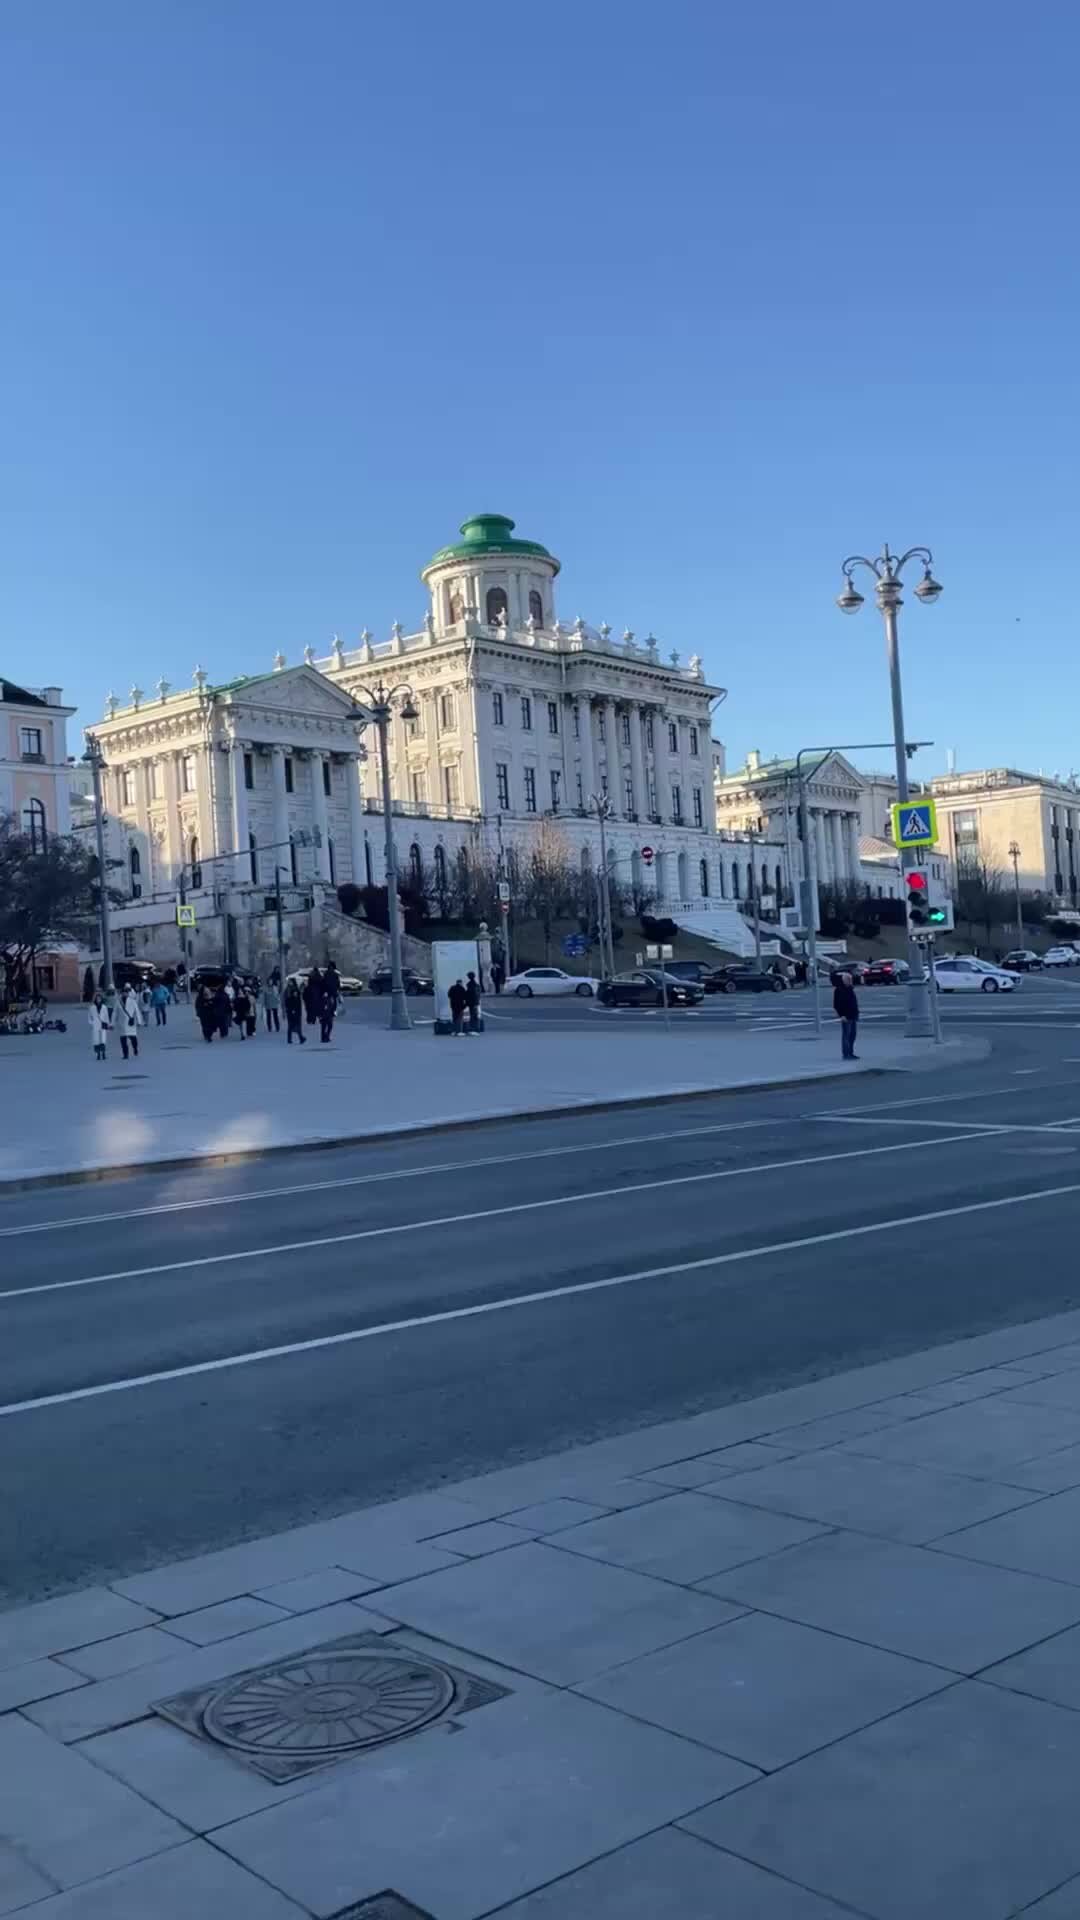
column 492, row 577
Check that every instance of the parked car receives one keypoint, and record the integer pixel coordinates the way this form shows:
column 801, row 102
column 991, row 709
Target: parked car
column 214, row 977
column 381, row 981
column 1063, row 956
column 647, row 987
column 966, row 974
column 1022, row 960
column 349, row 983
column 741, row 976
column 547, row 980
column 135, row 973
column 886, row 973
column 698, row 971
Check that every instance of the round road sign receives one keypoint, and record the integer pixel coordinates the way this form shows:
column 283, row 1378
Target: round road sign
column 647, row 855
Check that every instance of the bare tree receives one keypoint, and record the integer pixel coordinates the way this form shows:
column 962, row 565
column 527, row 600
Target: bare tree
column 47, row 894
column 552, row 881
column 982, row 893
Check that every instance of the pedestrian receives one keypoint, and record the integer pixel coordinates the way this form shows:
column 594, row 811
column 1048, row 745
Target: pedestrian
column 498, row 975
column 130, row 1021
column 242, row 1011
column 98, row 1016
column 846, row 1008
column 223, row 1007
column 206, row 1012
column 472, row 1001
column 458, row 1002
column 159, row 997
column 313, row 996
column 327, row 1005
column 145, row 1002
column 272, row 1003
column 294, row 1013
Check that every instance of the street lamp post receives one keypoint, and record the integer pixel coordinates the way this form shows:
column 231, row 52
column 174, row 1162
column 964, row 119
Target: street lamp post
column 600, row 803
column 1014, row 856
column 887, row 570
column 377, row 704
column 95, row 760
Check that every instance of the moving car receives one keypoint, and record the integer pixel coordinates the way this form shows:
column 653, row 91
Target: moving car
column 968, row 975
column 699, row 972
column 647, row 986
column 1061, row 957
column 743, row 977
column 381, row 981
column 349, row 982
column 886, row 973
column 549, row 980
column 1022, row 960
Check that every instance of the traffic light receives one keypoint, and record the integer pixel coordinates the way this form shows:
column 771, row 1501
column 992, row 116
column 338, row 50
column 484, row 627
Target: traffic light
column 918, row 903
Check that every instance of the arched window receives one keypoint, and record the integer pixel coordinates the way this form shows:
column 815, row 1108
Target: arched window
column 196, row 865
column 735, row 880
column 292, row 859
column 416, row 865
column 457, row 607
column 135, row 869
column 33, row 820
column 253, row 859
column 536, row 607
column 439, row 861
column 684, row 887
column 496, row 605
column 720, row 877
column 779, row 884
column 704, row 873
column 332, row 861
column 369, row 871
column 749, row 880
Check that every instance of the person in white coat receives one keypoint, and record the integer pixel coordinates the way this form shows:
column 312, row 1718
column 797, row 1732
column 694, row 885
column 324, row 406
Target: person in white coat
column 130, row 1021
column 98, row 1015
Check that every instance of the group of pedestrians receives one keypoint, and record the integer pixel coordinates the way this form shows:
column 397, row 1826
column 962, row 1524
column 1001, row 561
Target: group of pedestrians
column 125, row 1018
column 231, row 1001
column 464, row 998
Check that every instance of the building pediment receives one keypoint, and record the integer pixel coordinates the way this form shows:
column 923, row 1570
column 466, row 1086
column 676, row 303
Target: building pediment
column 292, row 690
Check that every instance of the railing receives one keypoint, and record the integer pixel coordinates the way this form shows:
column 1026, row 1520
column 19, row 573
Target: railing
column 421, row 809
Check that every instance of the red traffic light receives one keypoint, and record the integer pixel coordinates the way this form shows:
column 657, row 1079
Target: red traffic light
column 916, row 882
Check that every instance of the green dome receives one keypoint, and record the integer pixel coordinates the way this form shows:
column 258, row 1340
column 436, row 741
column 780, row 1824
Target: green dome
column 487, row 533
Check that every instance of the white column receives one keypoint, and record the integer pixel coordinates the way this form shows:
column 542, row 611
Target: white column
column 588, row 756
column 280, row 831
column 824, row 870
column 614, row 764
column 240, row 829
column 356, row 822
column 321, row 850
column 637, row 763
column 684, row 772
column 834, row 845
column 170, row 793
column 851, row 821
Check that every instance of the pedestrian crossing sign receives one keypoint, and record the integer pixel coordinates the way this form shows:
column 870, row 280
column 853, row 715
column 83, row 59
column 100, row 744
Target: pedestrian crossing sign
column 914, row 823
column 185, row 916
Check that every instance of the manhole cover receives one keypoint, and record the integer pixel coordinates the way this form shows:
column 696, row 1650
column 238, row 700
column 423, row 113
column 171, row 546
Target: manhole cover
column 383, row 1906
column 326, row 1703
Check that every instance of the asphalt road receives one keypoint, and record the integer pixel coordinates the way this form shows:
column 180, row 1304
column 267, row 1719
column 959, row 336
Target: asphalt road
column 189, row 1359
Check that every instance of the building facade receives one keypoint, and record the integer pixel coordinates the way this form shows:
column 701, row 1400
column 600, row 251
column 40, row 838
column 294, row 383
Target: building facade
column 34, row 772
column 520, row 720
column 983, row 814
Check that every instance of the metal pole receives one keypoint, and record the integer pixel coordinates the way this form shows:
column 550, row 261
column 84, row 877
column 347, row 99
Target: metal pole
column 399, row 1011
column 103, row 886
column 607, row 943
column 918, row 1024
column 935, row 1009
column 810, row 855
column 752, row 837
column 1014, row 856
column 279, row 925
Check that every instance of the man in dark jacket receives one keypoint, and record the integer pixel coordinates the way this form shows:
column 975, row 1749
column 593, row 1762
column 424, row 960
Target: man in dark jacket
column 846, row 1008
column 472, row 1001
column 458, row 1003
column 293, row 1003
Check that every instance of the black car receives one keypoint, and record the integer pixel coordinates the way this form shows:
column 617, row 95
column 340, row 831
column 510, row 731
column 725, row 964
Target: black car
column 1022, row 960
column 215, row 977
column 647, row 986
column 885, row 973
column 743, row 977
column 698, row 972
column 134, row 973
column 381, row 981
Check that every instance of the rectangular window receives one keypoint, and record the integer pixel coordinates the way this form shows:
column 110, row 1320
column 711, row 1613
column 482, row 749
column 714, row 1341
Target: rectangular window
column 502, row 786
column 699, row 811
column 693, row 740
column 419, row 790
column 580, row 791
column 965, row 830
column 603, row 783
column 526, row 713
column 577, row 721
column 129, row 943
column 626, row 729
column 288, row 773
column 326, row 778
column 649, row 741
column 673, row 736
column 46, row 977
column 628, row 795
column 556, row 777
column 127, row 787
column 249, row 772
column 676, row 802
column 450, row 786
column 601, row 723
column 153, row 780
column 553, row 716
column 447, row 712
column 30, row 743
column 652, row 796
column 497, row 709
column 530, row 789
column 187, row 773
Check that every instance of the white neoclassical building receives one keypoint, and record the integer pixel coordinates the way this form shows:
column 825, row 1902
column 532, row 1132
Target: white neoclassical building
column 521, row 718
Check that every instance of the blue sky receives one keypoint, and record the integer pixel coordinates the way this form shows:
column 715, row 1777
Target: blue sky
column 705, row 297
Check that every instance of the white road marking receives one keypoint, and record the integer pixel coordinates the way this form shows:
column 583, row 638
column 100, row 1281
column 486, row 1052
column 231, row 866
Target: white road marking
column 942, row 1099
column 372, row 1179
column 418, row 1321
column 483, row 1213
column 987, row 1127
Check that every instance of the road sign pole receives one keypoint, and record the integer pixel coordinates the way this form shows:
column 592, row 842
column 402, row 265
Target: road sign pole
column 918, row 1024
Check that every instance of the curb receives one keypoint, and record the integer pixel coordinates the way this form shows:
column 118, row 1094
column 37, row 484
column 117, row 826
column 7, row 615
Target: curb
column 410, row 1130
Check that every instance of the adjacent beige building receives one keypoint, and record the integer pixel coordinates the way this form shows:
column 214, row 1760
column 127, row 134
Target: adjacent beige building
column 984, row 813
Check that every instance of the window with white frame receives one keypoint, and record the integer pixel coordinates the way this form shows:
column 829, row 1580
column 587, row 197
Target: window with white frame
column 624, row 724
column 693, row 739
column 650, row 741
column 553, row 716
column 526, row 713
column 447, row 712
column 153, row 780
column 451, row 793
column 530, row 789
column 673, row 736
column 30, row 743
column 419, row 789
column 676, row 802
column 628, row 795
column 127, row 787
column 577, row 721
column 497, row 708
column 699, row 808
column 580, row 791
column 556, row 784
column 502, row 786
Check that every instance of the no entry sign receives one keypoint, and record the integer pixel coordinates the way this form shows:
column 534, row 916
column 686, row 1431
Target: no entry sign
column 647, row 855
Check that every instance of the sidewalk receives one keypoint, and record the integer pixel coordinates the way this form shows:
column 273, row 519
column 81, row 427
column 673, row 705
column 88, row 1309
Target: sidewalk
column 183, row 1100
column 807, row 1656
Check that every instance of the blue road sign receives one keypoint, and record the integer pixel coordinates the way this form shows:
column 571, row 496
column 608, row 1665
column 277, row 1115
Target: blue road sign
column 914, row 823
column 574, row 944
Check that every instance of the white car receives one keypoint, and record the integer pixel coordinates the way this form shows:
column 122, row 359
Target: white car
column 1060, row 957
column 549, row 980
column 973, row 976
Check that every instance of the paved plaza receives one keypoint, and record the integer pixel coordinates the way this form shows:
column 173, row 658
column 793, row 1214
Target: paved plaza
column 811, row 1655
